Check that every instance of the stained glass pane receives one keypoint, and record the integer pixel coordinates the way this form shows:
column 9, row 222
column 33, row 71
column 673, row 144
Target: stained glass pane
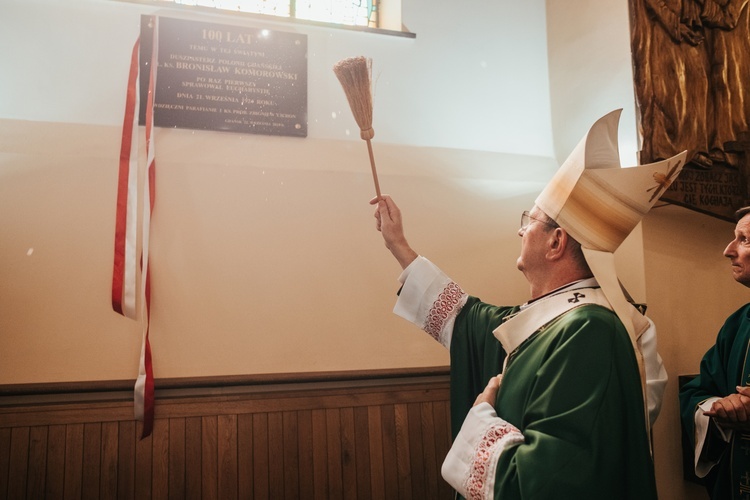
column 355, row 13
column 349, row 12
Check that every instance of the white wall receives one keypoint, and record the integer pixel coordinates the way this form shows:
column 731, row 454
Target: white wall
column 263, row 250
column 475, row 76
column 691, row 293
column 679, row 268
column 590, row 75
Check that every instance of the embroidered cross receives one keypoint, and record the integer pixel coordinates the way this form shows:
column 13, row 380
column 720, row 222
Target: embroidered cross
column 744, row 488
column 745, row 448
column 663, row 181
column 576, row 298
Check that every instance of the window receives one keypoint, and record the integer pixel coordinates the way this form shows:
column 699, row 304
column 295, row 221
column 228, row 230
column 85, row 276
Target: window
column 347, row 12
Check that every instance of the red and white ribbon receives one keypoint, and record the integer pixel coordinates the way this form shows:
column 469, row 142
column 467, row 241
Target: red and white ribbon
column 125, row 265
column 126, row 261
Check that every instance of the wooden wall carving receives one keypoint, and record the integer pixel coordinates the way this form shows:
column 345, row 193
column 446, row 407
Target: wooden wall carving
column 371, row 435
column 691, row 62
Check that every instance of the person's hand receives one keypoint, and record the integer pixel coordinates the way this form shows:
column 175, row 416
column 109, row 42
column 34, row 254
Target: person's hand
column 489, row 395
column 733, row 411
column 390, row 225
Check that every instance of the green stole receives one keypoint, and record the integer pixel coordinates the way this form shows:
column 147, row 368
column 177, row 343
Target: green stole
column 740, row 450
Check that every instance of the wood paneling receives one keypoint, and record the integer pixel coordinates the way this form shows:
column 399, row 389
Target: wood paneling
column 366, row 437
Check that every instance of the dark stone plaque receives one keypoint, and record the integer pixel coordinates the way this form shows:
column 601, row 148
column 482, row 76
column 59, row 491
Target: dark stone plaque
column 229, row 78
column 719, row 191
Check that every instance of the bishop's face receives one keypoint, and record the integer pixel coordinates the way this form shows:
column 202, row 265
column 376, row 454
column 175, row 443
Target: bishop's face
column 534, row 236
column 738, row 251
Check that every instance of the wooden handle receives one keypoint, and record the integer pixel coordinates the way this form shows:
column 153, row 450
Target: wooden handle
column 372, row 166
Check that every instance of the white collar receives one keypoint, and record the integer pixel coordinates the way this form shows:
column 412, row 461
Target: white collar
column 529, row 319
column 583, row 283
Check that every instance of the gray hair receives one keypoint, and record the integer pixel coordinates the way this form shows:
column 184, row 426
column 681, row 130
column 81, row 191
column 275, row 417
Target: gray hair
column 739, row 214
column 578, row 256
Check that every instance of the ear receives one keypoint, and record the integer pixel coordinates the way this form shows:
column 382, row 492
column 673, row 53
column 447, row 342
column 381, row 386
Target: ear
column 556, row 244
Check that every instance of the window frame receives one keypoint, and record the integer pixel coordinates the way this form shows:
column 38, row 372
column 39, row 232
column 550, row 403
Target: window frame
column 270, row 18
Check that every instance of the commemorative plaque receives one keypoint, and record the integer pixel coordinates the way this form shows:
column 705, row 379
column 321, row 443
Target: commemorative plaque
column 718, row 192
column 228, row 78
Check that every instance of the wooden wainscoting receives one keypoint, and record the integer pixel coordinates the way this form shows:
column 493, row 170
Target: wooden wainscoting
column 377, row 434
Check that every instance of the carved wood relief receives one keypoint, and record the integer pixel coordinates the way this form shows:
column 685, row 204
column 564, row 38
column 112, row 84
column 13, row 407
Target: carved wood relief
column 691, row 61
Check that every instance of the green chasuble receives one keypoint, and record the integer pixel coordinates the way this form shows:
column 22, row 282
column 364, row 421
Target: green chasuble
column 722, row 369
column 573, row 390
column 476, row 355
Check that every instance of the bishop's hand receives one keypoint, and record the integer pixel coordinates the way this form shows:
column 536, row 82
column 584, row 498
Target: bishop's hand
column 489, row 395
column 390, row 225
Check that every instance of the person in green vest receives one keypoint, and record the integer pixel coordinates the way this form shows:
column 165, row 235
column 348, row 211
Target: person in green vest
column 715, row 405
column 552, row 398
